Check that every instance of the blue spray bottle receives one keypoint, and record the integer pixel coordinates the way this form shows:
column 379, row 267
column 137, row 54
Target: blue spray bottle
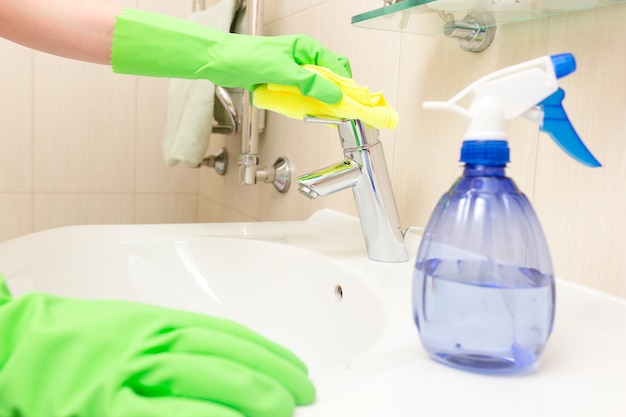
column 483, row 285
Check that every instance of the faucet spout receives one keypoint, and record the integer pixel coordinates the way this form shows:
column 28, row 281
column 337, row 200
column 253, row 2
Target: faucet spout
column 364, row 169
column 330, row 179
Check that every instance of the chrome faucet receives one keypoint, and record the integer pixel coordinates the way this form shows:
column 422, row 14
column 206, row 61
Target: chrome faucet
column 365, row 171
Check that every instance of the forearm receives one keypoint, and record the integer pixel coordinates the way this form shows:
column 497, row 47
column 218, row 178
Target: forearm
column 155, row 45
column 78, row 29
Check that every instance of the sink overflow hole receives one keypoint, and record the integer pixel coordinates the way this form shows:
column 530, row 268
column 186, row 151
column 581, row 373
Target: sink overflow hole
column 338, row 293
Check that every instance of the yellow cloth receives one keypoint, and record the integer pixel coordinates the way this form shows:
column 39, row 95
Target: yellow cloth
column 357, row 102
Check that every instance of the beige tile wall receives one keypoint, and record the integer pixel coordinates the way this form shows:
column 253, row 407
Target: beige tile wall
column 582, row 210
column 81, row 145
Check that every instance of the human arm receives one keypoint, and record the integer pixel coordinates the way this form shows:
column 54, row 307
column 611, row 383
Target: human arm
column 77, row 29
column 142, row 43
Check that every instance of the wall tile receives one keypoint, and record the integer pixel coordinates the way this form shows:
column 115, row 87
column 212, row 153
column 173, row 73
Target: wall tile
column 210, row 211
column 428, row 142
column 180, row 9
column 582, row 209
column 166, row 208
column 153, row 174
column 16, row 131
column 56, row 209
column 84, row 127
column 17, row 215
column 82, row 139
column 281, row 9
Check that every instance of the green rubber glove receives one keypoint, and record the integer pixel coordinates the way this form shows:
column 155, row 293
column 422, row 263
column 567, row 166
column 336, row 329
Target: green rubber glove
column 155, row 45
column 63, row 357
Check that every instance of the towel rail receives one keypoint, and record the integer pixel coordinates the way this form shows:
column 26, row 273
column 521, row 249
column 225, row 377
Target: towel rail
column 232, row 124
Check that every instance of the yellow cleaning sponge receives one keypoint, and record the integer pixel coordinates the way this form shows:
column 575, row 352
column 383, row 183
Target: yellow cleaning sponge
column 357, row 102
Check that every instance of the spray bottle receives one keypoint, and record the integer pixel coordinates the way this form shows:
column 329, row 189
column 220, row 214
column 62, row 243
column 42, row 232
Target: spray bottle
column 483, row 284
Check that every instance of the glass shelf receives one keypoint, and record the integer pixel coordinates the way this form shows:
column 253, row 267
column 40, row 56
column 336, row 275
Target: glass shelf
column 427, row 17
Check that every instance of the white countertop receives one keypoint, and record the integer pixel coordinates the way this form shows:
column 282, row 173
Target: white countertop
column 581, row 373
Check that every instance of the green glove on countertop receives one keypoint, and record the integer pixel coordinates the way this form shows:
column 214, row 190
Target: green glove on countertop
column 63, row 357
column 155, row 45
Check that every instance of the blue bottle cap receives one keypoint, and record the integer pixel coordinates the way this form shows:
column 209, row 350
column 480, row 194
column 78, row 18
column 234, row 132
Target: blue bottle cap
column 487, row 152
column 564, row 64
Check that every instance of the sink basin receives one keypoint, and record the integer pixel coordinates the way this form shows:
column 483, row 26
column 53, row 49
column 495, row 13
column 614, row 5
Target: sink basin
column 306, row 301
column 310, row 286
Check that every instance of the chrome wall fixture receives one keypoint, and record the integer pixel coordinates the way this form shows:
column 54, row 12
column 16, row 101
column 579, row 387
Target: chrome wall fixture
column 250, row 172
column 235, row 114
column 475, row 32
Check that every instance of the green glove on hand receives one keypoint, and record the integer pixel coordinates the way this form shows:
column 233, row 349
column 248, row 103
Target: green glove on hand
column 62, row 357
column 155, row 45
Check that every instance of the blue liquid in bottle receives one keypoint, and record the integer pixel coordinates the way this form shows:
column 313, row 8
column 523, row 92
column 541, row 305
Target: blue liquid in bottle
column 483, row 286
column 480, row 327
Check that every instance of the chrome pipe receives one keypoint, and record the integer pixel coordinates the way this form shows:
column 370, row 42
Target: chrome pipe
column 248, row 157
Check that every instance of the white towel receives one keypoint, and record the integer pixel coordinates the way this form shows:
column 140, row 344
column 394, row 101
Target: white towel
column 190, row 106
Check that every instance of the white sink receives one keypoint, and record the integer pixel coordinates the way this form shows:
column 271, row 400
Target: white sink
column 309, row 286
column 305, row 300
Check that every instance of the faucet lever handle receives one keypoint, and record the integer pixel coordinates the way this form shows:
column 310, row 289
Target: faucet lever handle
column 322, row 120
